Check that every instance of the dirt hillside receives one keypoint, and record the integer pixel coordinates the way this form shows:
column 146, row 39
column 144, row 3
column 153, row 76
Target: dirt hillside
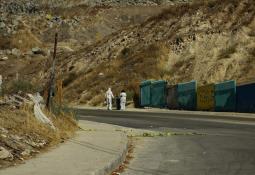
column 118, row 46
column 207, row 42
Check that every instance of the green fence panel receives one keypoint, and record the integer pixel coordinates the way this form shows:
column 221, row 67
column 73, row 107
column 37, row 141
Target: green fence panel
column 225, row 96
column 158, row 94
column 172, row 97
column 145, row 93
column 187, row 95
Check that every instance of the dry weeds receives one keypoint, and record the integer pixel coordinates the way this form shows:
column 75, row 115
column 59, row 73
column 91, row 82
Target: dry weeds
column 23, row 125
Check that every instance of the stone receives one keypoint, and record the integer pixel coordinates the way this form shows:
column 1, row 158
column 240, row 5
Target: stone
column 15, row 137
column 36, row 50
column 4, row 59
column 9, row 30
column 26, row 153
column 3, row 136
column 8, row 52
column 4, row 153
column 32, row 143
column 15, row 22
column 16, row 52
column 3, row 130
column 2, row 25
column 101, row 74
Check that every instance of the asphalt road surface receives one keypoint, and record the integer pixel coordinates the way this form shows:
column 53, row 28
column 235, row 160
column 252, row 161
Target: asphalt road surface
column 222, row 146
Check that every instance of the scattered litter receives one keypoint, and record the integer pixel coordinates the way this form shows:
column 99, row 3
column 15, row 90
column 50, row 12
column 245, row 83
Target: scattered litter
column 38, row 112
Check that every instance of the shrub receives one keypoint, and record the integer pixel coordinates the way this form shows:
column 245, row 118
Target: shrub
column 71, row 77
column 19, row 85
column 125, row 52
column 226, row 52
column 130, row 95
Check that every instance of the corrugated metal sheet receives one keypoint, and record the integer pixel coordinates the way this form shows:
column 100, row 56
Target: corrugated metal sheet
column 158, row 93
column 246, row 98
column 225, row 96
column 205, row 97
column 187, row 95
column 172, row 97
column 145, row 93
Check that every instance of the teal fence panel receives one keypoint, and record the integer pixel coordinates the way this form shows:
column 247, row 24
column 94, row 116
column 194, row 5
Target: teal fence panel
column 172, row 97
column 158, row 94
column 225, row 96
column 187, row 95
column 145, row 93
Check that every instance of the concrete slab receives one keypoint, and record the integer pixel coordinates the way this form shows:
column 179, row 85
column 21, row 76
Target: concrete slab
column 94, row 151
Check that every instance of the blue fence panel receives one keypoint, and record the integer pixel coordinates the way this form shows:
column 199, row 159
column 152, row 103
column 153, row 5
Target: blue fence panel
column 158, row 93
column 187, row 95
column 245, row 98
column 225, row 96
column 145, row 93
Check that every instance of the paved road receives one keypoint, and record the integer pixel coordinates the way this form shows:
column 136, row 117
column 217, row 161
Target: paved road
column 227, row 148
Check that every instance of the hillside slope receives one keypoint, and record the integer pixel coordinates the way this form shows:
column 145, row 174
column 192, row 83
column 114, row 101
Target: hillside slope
column 119, row 45
column 31, row 24
column 207, row 42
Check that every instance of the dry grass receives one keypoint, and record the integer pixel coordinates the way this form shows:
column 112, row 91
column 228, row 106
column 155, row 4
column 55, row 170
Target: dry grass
column 221, row 48
column 126, row 72
column 22, row 122
column 25, row 40
column 22, row 132
column 209, row 41
column 227, row 51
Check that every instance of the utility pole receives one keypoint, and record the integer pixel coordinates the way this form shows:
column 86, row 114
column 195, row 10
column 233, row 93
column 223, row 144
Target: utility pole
column 1, row 82
column 52, row 75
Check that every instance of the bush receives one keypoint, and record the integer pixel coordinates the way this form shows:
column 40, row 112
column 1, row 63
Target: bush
column 125, row 52
column 227, row 51
column 136, row 100
column 130, row 95
column 63, row 110
column 71, row 77
column 19, row 85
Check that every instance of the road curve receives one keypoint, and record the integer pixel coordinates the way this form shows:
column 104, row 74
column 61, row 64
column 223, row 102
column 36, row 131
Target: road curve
column 227, row 146
column 136, row 119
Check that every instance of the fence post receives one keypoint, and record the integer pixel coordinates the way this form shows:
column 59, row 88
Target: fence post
column 1, row 83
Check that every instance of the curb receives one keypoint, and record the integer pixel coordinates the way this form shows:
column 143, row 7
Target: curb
column 108, row 169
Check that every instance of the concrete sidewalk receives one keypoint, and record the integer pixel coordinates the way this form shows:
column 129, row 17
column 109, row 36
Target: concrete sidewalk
column 96, row 150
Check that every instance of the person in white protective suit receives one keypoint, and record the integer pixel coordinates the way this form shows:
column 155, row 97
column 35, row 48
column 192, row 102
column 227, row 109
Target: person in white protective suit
column 109, row 96
column 123, row 100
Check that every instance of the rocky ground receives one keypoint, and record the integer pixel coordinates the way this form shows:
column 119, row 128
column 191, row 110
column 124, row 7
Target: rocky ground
column 119, row 43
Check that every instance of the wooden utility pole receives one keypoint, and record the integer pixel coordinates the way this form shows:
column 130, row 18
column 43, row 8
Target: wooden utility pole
column 52, row 75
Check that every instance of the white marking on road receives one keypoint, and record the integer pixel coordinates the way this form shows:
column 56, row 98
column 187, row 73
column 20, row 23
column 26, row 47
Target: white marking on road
column 173, row 161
